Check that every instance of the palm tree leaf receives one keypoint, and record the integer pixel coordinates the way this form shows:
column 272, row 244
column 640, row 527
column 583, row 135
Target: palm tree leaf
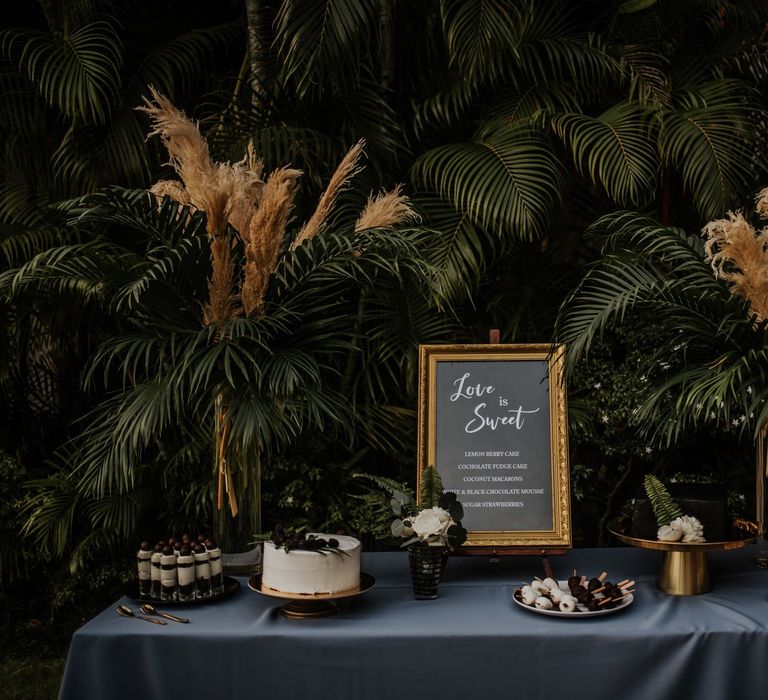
column 176, row 64
column 444, row 110
column 616, row 150
column 77, row 73
column 316, row 38
column 459, row 250
column 512, row 106
column 708, row 135
column 478, row 34
column 50, row 512
column 366, row 113
column 642, row 263
column 19, row 244
column 510, row 181
column 582, row 61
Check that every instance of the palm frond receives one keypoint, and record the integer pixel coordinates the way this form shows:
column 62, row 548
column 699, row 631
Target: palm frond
column 315, row 38
column 50, row 513
column 515, row 106
column 509, row 182
column 460, row 248
column 577, row 60
column 477, row 36
column 365, row 113
column 176, row 64
column 615, row 150
column 19, row 244
column 77, row 73
column 77, row 269
column 444, row 110
column 708, row 136
column 642, row 263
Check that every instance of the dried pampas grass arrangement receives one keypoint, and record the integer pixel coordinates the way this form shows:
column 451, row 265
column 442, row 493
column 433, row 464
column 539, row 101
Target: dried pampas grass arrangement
column 236, row 195
column 738, row 254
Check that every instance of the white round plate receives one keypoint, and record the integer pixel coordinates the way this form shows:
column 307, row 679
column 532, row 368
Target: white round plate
column 581, row 610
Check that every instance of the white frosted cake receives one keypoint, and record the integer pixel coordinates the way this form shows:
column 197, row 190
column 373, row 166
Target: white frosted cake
column 308, row 572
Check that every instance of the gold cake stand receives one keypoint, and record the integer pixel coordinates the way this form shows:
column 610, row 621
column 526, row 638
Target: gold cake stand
column 306, row 607
column 684, row 567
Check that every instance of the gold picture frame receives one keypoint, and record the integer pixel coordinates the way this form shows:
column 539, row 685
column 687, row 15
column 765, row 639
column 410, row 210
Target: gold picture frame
column 459, row 414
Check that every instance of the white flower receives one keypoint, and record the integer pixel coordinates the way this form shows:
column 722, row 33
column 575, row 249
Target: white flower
column 599, row 385
column 400, row 529
column 693, row 530
column 431, row 522
column 604, row 418
column 648, row 450
column 670, row 533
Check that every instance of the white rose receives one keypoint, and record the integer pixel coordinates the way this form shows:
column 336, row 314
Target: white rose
column 444, row 517
column 670, row 533
column 426, row 524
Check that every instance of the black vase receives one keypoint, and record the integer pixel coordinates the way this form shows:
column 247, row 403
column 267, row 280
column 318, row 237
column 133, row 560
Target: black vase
column 426, row 568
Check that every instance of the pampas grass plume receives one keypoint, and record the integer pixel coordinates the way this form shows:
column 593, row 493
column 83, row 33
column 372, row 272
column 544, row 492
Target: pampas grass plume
column 346, row 170
column 738, row 255
column 386, row 210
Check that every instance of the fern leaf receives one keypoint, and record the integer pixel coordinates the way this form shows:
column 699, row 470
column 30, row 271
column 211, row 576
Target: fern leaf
column 664, row 507
column 391, row 486
column 430, row 487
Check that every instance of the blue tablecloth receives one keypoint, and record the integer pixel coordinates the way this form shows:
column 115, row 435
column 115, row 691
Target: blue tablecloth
column 471, row 642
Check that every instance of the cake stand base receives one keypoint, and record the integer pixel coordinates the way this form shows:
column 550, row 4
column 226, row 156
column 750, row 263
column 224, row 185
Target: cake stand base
column 684, row 573
column 308, row 609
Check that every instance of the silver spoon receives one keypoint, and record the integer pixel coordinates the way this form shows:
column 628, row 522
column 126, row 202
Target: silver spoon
column 125, row 611
column 148, row 609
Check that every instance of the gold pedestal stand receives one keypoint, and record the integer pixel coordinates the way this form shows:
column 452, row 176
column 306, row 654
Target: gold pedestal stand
column 684, row 567
column 310, row 607
column 684, row 573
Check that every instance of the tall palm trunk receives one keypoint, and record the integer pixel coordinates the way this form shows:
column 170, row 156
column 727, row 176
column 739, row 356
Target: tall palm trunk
column 258, row 21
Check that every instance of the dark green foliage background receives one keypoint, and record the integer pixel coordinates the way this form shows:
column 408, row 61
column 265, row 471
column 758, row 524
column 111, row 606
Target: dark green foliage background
column 513, row 125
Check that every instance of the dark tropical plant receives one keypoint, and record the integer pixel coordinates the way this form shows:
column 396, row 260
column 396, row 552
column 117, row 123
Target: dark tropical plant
column 514, row 125
column 709, row 365
column 188, row 358
column 519, row 123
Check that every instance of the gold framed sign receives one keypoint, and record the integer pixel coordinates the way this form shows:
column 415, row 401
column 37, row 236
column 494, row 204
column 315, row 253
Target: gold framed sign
column 493, row 421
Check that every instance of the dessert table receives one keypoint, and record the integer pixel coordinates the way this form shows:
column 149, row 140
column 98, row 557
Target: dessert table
column 473, row 641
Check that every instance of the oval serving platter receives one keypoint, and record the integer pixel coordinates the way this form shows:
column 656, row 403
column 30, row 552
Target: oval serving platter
column 581, row 610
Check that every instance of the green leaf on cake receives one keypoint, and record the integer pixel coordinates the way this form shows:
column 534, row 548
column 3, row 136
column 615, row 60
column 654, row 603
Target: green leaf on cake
column 664, row 507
